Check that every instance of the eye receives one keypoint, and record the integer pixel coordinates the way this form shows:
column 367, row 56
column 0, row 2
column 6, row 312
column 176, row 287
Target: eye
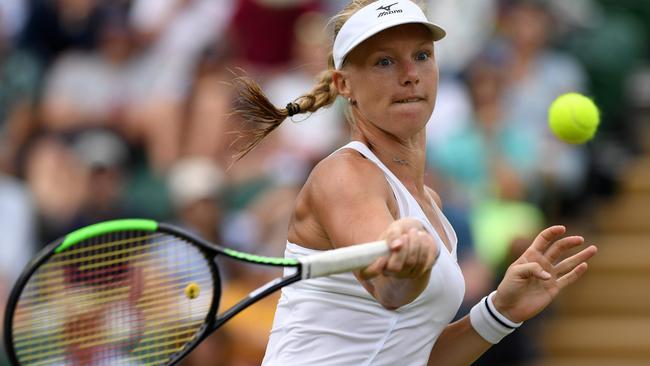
column 384, row 62
column 423, row 56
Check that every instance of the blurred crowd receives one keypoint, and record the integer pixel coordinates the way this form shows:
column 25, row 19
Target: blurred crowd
column 121, row 108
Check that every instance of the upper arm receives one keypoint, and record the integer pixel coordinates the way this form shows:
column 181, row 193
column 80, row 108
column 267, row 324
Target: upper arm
column 351, row 199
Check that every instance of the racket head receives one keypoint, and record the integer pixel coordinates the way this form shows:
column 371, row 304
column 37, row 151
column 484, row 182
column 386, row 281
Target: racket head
column 126, row 292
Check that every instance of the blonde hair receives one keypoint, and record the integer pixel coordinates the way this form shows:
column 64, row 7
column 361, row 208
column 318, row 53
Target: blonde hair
column 254, row 106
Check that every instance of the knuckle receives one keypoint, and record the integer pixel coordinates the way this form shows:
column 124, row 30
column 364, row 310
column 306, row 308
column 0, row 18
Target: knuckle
column 394, row 267
column 411, row 222
column 411, row 261
column 392, row 234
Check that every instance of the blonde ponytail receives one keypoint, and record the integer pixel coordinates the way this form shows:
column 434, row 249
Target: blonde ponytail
column 253, row 106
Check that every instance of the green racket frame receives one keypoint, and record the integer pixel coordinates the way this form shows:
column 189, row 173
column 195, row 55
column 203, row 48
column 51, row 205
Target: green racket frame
column 212, row 321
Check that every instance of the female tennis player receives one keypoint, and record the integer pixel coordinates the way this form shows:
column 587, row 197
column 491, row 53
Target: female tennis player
column 398, row 310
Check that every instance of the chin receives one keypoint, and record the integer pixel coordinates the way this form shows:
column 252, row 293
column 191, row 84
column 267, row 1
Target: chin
column 409, row 125
column 417, row 115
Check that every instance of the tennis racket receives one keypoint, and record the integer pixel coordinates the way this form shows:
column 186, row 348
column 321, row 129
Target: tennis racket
column 137, row 292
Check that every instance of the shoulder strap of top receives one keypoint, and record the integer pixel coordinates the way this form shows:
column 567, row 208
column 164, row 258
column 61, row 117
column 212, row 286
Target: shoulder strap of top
column 365, row 151
column 404, row 199
column 396, row 186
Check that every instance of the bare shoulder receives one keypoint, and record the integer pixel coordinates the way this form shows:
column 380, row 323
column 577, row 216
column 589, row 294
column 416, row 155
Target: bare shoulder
column 343, row 191
column 435, row 196
column 347, row 175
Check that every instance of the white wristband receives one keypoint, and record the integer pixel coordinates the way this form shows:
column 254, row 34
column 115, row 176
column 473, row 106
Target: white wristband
column 489, row 323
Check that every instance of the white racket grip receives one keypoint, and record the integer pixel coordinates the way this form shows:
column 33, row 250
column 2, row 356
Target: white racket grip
column 343, row 259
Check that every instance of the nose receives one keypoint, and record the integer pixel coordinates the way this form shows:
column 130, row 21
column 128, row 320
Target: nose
column 410, row 74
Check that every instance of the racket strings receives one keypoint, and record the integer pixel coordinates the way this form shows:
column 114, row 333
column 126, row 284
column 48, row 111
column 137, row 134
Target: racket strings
column 54, row 285
column 115, row 299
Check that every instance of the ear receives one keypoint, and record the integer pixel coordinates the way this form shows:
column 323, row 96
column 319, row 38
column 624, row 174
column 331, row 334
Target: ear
column 342, row 84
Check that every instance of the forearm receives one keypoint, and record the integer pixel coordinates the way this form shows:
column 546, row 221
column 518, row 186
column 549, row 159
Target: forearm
column 458, row 344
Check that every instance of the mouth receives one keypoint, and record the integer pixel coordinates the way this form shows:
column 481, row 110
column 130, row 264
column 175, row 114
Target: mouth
column 410, row 100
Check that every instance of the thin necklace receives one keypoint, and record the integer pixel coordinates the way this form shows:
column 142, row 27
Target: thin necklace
column 400, row 161
column 397, row 160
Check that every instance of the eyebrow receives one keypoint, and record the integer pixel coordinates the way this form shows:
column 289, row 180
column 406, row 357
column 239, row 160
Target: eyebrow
column 385, row 49
column 389, row 49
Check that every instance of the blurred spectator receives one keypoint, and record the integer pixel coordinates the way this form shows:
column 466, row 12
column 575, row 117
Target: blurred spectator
column 252, row 175
column 20, row 75
column 272, row 211
column 89, row 89
column 12, row 17
column 576, row 15
column 55, row 26
column 536, row 75
column 276, row 20
column 453, row 110
column 313, row 136
column 194, row 186
column 18, row 227
column 469, row 25
column 491, row 157
column 209, row 104
column 171, row 36
column 105, row 154
column 58, row 180
column 146, row 192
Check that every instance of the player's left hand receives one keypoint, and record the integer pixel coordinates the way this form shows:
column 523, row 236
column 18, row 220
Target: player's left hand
column 538, row 276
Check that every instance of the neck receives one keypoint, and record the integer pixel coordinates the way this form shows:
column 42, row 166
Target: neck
column 405, row 157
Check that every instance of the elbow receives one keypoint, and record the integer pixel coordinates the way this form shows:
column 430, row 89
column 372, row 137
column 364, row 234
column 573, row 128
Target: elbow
column 394, row 297
column 392, row 303
column 389, row 306
column 392, row 294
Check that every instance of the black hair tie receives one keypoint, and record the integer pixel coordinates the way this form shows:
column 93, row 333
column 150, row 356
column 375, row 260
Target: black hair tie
column 293, row 109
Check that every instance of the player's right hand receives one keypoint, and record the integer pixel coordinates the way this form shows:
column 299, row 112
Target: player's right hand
column 413, row 251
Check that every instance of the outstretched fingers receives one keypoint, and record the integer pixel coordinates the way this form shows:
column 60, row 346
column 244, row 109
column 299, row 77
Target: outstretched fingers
column 571, row 269
column 547, row 237
column 560, row 247
column 572, row 276
column 570, row 263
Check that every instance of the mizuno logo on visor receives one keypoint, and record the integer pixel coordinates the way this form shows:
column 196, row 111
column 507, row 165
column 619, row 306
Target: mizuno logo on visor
column 387, row 10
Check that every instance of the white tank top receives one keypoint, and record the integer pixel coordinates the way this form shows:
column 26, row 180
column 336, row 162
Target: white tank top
column 335, row 321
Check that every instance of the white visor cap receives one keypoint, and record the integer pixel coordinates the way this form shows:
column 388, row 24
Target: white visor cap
column 374, row 18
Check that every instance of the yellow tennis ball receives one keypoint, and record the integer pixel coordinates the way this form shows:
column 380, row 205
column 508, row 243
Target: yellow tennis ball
column 192, row 290
column 573, row 118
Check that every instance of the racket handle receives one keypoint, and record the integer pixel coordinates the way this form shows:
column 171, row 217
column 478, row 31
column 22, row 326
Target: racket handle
column 343, row 259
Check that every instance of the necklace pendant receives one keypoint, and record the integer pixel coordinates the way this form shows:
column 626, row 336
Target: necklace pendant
column 400, row 161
